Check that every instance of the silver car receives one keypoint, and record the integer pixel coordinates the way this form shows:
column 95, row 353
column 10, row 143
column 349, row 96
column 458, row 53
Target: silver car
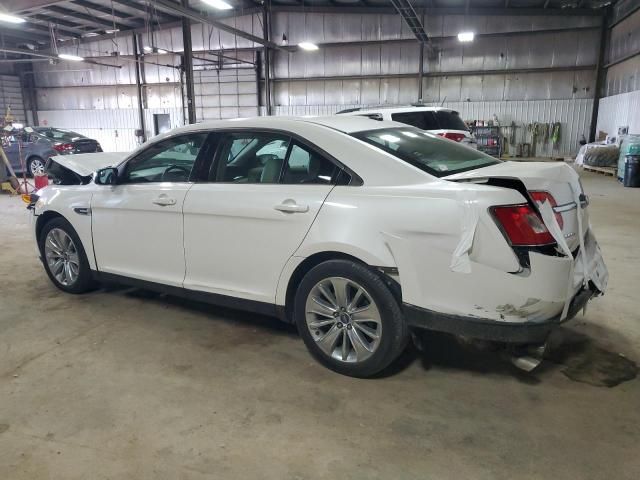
column 40, row 144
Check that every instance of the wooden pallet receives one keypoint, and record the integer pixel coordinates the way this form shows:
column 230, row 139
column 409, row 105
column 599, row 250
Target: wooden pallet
column 611, row 171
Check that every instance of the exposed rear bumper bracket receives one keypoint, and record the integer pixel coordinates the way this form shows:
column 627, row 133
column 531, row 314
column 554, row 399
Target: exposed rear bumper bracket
column 484, row 329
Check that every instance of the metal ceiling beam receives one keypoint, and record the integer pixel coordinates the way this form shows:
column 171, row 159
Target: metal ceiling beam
column 191, row 14
column 17, row 51
column 17, row 6
column 163, row 17
column 91, row 19
column 515, row 12
column 123, row 17
column 406, row 11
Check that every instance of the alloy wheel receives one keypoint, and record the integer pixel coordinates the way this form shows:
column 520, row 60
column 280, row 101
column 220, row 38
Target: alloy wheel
column 343, row 319
column 62, row 256
column 37, row 167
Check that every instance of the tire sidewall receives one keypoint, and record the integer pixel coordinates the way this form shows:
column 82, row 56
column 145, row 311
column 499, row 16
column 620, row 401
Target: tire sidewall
column 394, row 330
column 85, row 280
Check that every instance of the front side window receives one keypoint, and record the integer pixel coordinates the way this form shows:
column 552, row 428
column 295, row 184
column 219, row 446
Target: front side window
column 425, row 151
column 170, row 160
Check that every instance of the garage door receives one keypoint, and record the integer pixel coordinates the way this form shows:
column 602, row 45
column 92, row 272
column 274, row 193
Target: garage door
column 11, row 97
column 228, row 93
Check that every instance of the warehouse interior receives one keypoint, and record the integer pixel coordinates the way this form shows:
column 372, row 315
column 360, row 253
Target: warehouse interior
column 124, row 383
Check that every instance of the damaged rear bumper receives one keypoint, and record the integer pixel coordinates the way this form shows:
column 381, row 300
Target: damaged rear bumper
column 486, row 329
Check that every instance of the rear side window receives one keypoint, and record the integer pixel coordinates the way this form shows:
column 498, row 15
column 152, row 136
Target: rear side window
column 450, row 121
column 423, row 120
column 305, row 166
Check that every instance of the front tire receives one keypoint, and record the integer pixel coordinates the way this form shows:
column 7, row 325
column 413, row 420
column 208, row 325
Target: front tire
column 64, row 258
column 349, row 319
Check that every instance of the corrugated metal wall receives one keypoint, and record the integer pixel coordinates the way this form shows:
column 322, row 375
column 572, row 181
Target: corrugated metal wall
column 368, row 73
column 621, row 110
column 11, row 97
column 574, row 116
column 624, row 41
column 113, row 128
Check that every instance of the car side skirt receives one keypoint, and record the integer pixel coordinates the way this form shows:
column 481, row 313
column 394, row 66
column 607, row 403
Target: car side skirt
column 227, row 301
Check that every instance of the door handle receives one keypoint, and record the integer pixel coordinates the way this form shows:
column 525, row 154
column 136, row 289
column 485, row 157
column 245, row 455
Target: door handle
column 164, row 201
column 290, row 206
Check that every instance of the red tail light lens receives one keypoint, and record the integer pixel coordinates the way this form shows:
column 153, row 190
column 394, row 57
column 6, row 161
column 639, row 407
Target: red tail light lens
column 63, row 147
column 541, row 197
column 522, row 225
column 456, row 137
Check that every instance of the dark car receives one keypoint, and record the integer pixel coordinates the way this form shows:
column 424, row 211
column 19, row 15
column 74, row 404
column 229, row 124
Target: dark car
column 38, row 144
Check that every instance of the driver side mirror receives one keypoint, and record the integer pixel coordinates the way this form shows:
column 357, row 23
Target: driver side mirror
column 106, row 176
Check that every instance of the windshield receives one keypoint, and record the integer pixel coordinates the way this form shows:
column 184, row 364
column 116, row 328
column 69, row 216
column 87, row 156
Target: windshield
column 436, row 156
column 58, row 134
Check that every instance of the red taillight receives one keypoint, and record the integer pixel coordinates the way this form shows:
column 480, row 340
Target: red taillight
column 456, row 137
column 63, row 147
column 522, row 225
column 540, row 197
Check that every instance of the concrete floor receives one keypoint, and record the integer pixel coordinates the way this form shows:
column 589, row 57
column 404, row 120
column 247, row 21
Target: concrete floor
column 122, row 384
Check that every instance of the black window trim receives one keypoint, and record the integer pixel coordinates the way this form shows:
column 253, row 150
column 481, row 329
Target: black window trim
column 355, row 179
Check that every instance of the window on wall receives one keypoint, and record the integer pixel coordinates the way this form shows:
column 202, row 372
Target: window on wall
column 170, row 160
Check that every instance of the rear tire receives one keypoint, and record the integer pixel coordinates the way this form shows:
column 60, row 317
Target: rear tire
column 349, row 319
column 36, row 166
column 64, row 257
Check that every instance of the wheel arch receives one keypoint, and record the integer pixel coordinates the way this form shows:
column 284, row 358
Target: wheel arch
column 43, row 219
column 319, row 257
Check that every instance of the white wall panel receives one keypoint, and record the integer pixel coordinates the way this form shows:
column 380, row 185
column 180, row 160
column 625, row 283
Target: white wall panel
column 620, row 111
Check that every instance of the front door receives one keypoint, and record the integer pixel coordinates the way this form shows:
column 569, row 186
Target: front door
column 137, row 224
column 264, row 193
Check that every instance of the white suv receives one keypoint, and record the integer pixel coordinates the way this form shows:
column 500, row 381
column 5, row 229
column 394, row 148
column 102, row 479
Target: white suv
column 437, row 120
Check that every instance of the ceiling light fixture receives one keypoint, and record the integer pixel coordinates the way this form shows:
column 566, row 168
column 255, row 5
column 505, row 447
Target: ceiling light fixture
column 219, row 4
column 310, row 47
column 466, row 36
column 73, row 58
column 5, row 17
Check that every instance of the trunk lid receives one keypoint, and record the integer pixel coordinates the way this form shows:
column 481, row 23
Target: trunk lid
column 558, row 179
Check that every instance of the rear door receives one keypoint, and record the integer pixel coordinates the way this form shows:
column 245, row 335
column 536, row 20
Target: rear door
column 251, row 213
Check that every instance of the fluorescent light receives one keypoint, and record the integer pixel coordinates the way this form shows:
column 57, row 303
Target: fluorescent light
column 160, row 51
column 112, row 30
column 73, row 58
column 147, row 48
column 308, row 46
column 466, row 36
column 219, row 4
column 5, row 17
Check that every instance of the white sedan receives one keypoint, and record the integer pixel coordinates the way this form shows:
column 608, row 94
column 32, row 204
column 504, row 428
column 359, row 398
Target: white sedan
column 355, row 230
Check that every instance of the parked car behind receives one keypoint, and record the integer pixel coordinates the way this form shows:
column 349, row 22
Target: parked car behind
column 42, row 143
column 437, row 120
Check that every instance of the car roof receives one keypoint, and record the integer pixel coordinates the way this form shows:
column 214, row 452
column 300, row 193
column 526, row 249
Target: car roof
column 408, row 108
column 342, row 123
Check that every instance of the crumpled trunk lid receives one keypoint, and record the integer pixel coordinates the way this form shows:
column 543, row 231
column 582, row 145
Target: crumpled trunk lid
column 558, row 179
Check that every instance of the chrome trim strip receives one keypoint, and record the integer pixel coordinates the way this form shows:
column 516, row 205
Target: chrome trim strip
column 565, row 208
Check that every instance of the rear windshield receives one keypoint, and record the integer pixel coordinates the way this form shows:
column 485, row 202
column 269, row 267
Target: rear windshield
column 434, row 120
column 429, row 153
column 58, row 134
